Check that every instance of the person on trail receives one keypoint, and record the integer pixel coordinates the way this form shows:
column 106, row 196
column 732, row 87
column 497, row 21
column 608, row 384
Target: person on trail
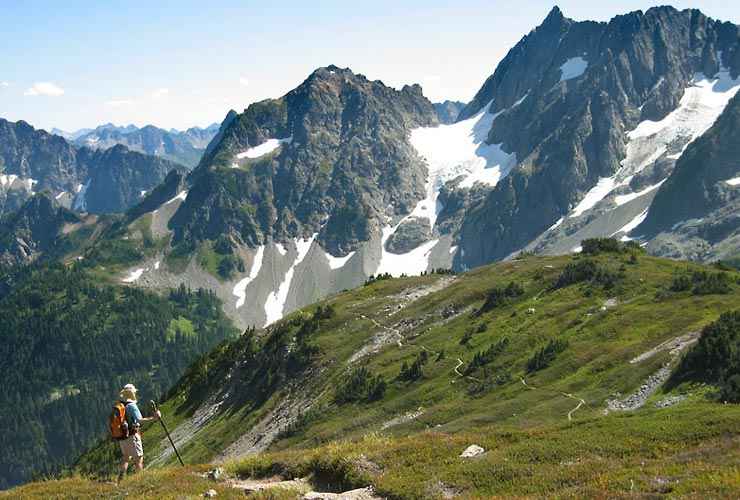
column 131, row 446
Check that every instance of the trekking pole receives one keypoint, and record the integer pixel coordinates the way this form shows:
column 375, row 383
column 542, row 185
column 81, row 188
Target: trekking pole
column 154, row 405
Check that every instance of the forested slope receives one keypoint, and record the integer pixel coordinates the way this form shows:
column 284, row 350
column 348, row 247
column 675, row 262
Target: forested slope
column 68, row 343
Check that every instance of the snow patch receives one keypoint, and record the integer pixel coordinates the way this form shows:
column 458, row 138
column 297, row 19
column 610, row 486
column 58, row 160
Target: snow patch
column 453, row 249
column 627, row 228
column 557, row 224
column 180, row 196
column 573, row 68
column 281, row 249
column 733, row 182
column 266, row 147
column 156, row 266
column 595, row 195
column 7, row 180
column 411, row 263
column 133, row 276
column 458, row 150
column 240, row 289
column 625, row 198
column 275, row 303
column 80, row 202
column 59, row 196
column 338, row 262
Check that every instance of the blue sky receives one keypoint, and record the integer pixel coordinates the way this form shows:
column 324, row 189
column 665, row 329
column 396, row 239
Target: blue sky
column 77, row 64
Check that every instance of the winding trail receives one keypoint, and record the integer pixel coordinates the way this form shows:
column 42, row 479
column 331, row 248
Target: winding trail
column 568, row 395
column 457, row 370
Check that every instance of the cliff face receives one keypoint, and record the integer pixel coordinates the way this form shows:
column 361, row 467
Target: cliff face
column 31, row 230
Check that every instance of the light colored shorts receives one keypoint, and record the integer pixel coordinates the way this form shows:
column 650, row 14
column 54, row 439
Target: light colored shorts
column 131, row 447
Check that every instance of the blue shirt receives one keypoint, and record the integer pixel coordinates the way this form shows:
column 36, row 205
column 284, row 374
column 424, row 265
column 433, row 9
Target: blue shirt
column 133, row 415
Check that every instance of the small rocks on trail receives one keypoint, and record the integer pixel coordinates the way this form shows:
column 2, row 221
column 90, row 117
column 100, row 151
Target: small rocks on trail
column 670, row 401
column 215, row 474
column 472, row 451
column 402, row 419
column 210, row 493
column 638, row 398
column 358, row 494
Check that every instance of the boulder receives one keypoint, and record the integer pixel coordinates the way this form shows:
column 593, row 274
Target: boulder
column 472, row 451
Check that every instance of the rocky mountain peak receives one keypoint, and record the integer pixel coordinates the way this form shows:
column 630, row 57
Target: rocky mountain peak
column 332, row 150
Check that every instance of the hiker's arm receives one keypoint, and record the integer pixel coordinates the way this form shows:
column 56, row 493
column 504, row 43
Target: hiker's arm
column 154, row 417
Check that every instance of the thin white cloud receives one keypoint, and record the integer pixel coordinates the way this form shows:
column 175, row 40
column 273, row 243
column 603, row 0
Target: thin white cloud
column 243, row 81
column 44, row 88
column 4, row 84
column 118, row 103
column 160, row 93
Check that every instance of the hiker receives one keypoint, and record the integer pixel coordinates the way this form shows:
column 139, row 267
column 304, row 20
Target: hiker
column 125, row 428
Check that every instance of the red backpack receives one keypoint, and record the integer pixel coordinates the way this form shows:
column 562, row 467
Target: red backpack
column 117, row 423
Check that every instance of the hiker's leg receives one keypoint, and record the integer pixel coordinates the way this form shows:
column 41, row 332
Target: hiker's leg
column 140, row 464
column 124, row 468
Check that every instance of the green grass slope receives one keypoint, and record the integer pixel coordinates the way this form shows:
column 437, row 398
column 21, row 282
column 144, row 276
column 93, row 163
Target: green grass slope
column 519, row 357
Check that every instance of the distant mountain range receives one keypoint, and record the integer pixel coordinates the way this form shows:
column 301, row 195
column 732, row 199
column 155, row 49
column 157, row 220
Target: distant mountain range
column 184, row 147
column 82, row 178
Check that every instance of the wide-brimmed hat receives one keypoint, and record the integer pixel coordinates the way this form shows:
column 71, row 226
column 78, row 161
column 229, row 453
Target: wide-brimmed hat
column 128, row 392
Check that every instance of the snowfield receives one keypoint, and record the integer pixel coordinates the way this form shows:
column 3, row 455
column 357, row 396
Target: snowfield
column 275, row 303
column 240, row 289
column 573, row 68
column 459, row 150
column 733, row 182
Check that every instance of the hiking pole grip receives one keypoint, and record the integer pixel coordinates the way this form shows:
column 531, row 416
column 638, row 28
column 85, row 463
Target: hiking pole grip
column 167, row 433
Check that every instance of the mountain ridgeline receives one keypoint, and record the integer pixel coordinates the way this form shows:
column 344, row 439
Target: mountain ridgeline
column 81, row 178
column 184, row 147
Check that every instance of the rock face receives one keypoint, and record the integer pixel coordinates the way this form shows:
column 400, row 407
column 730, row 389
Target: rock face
column 582, row 86
column 31, row 230
column 184, row 147
column 331, row 157
column 448, row 111
column 97, row 181
column 410, row 234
